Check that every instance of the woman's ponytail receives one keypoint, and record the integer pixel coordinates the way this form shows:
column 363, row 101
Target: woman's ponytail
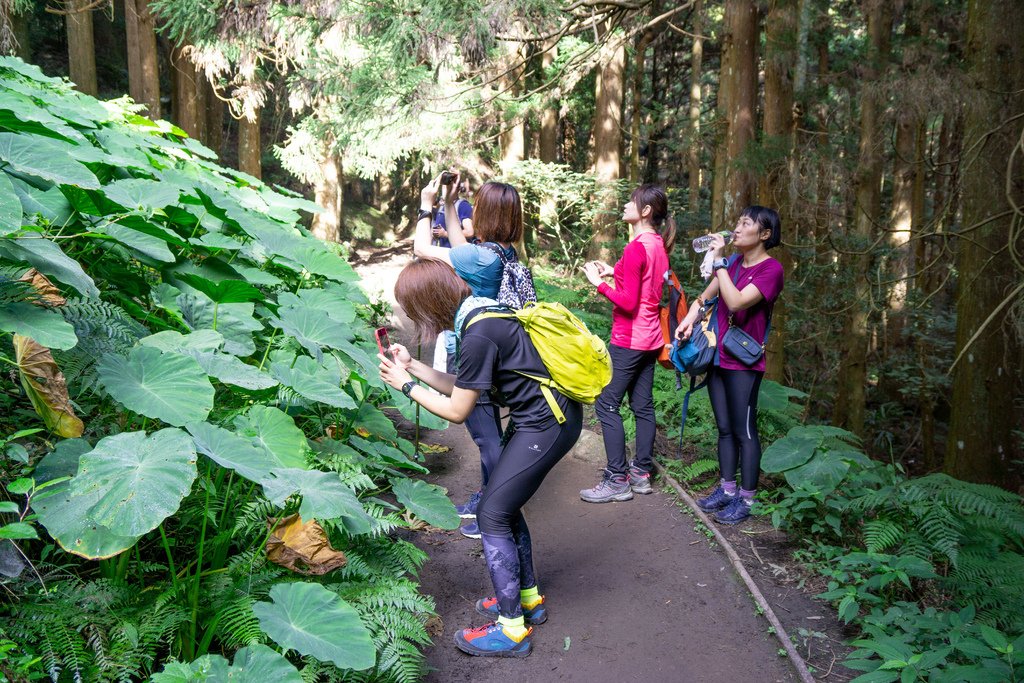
column 667, row 230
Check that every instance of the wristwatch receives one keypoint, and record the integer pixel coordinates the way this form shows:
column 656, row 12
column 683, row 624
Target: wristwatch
column 720, row 263
column 407, row 388
column 424, row 213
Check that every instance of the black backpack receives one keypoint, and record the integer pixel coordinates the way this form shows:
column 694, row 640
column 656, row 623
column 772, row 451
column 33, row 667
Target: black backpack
column 516, row 288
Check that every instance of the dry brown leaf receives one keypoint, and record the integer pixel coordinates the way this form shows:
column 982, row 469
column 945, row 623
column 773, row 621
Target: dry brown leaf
column 44, row 383
column 48, row 292
column 302, row 546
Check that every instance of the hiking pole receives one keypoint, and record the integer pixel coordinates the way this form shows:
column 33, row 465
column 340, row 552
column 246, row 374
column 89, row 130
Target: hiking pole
column 416, row 442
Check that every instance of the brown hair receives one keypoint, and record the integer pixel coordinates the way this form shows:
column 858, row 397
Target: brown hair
column 430, row 292
column 655, row 197
column 498, row 213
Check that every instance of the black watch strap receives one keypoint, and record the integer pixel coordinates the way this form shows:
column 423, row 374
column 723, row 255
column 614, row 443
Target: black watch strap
column 423, row 214
column 407, row 388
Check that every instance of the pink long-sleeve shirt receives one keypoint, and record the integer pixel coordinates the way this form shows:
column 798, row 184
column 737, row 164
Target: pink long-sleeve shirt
column 639, row 279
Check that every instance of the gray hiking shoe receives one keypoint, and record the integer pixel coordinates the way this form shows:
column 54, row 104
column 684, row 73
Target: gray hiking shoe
column 639, row 481
column 611, row 488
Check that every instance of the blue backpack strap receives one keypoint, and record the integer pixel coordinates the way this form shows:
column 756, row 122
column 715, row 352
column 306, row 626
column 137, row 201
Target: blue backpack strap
column 686, row 404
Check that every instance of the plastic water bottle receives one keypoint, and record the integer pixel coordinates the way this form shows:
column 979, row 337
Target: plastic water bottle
column 703, row 243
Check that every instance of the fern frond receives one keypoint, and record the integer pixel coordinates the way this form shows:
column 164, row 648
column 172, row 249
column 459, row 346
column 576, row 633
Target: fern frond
column 882, row 534
column 698, row 469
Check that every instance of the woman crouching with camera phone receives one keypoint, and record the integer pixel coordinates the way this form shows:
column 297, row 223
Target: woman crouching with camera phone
column 746, row 286
column 492, row 354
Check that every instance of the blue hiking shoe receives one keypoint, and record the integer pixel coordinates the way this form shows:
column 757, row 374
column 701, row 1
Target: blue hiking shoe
column 735, row 512
column 491, row 640
column 537, row 614
column 468, row 510
column 470, row 529
column 717, row 500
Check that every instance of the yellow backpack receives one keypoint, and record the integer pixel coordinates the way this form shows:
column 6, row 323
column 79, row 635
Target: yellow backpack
column 576, row 359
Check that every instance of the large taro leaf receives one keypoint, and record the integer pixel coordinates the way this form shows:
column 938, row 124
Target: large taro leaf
column 139, row 194
column 62, row 513
column 788, row 452
column 10, row 207
column 48, row 258
column 324, row 496
column 254, row 664
column 333, row 299
column 203, row 345
column 45, row 158
column 234, row 321
column 50, row 203
column 275, row 431
column 140, row 480
column 427, row 501
column 235, row 452
column 386, row 454
column 312, row 380
column 308, row 618
column 408, row 409
column 823, row 472
column 223, row 292
column 44, row 383
column 45, row 326
column 146, row 244
column 167, row 386
column 312, row 328
column 370, row 420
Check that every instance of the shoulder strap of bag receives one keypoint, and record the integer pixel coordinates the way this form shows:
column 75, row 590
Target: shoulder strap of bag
column 694, row 387
column 496, row 248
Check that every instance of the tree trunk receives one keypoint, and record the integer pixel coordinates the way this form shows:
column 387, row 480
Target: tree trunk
column 249, row 150
column 19, row 30
column 81, row 50
column 549, row 115
column 737, row 102
column 637, row 96
column 143, row 70
column 781, row 31
column 214, row 124
column 981, row 438
column 327, row 224
column 693, row 151
column 608, row 146
column 850, row 394
column 188, row 95
column 512, row 142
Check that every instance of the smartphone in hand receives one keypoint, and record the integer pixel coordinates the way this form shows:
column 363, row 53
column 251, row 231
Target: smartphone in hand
column 383, row 342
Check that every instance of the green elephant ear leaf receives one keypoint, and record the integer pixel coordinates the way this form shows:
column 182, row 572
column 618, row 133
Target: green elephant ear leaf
column 62, row 514
column 10, row 207
column 48, row 328
column 274, row 431
column 148, row 245
column 166, row 386
column 139, row 194
column 46, row 257
column 427, row 501
column 324, row 496
column 313, row 621
column 253, row 664
column 788, row 452
column 311, row 380
column 45, row 158
column 234, row 321
column 387, row 454
column 375, row 422
column 230, row 450
column 137, row 480
column 223, row 292
column 823, row 472
column 313, row 329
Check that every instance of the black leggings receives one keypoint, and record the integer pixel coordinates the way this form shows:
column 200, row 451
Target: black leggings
column 632, row 373
column 733, row 395
column 524, row 462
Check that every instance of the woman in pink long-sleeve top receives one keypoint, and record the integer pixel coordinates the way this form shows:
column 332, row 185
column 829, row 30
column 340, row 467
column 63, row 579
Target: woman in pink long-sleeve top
column 636, row 342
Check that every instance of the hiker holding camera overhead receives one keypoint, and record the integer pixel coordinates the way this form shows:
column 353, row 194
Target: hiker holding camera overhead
column 747, row 286
column 498, row 222
column 636, row 342
column 464, row 211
